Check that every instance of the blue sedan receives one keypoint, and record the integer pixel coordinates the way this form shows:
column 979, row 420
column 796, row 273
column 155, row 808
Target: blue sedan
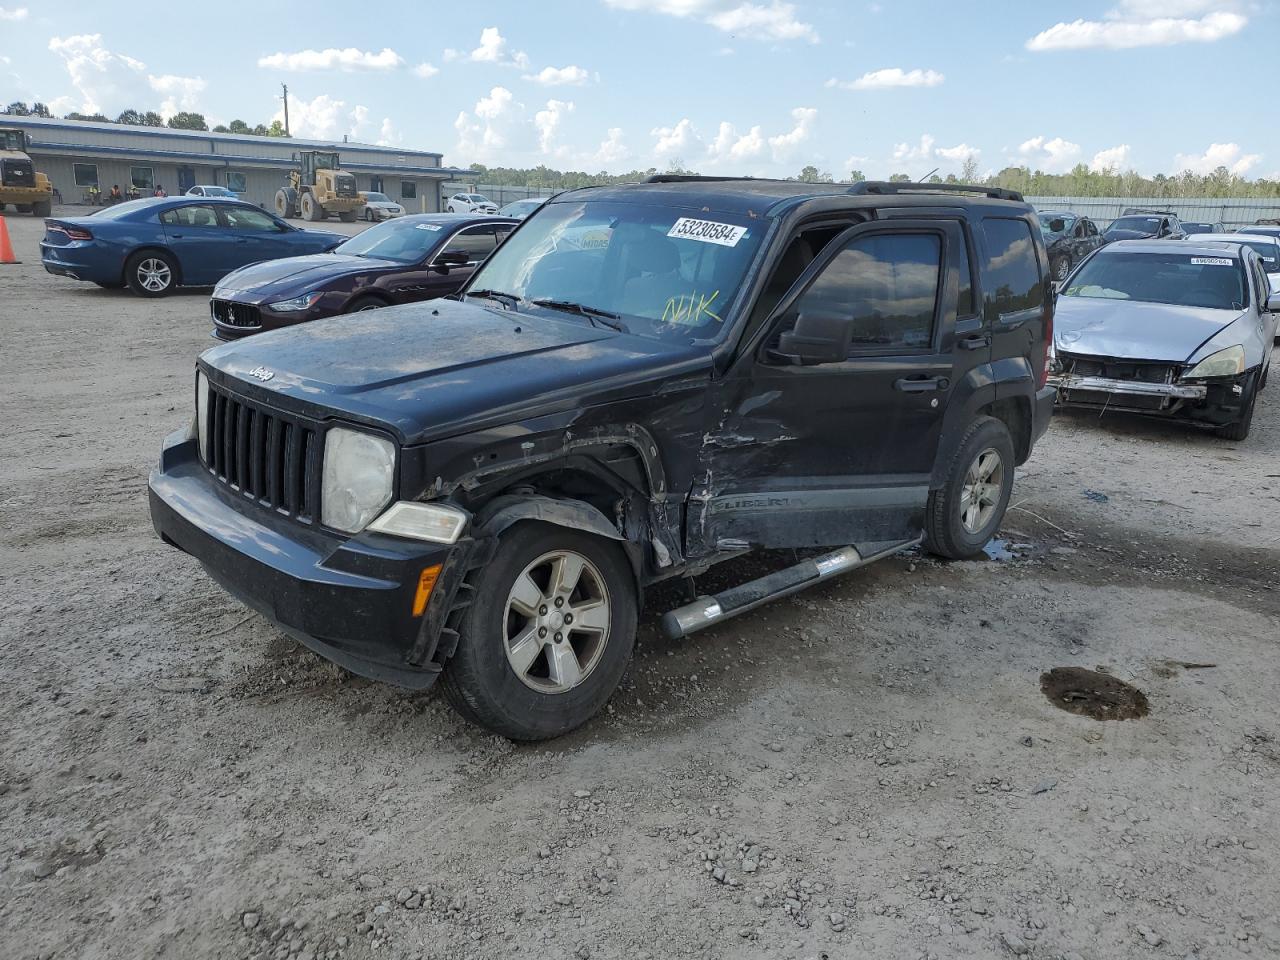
column 156, row 245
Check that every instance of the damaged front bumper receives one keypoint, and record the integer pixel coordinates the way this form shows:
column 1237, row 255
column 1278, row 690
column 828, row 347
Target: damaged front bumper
column 350, row 599
column 1212, row 402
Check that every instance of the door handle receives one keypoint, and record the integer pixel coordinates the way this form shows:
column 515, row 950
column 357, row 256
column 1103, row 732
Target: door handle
column 176, row 236
column 242, row 240
column 976, row 342
column 921, row 384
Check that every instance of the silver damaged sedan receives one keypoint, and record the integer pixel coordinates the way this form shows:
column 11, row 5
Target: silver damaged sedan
column 1172, row 330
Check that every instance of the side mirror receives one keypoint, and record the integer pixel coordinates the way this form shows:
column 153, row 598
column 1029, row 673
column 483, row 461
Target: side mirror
column 451, row 258
column 1057, row 225
column 816, row 338
column 1273, row 301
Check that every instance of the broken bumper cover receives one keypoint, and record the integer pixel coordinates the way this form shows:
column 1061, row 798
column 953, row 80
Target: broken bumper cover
column 348, row 599
column 1211, row 402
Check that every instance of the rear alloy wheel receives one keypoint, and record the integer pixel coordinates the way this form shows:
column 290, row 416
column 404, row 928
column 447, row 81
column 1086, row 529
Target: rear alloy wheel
column 151, row 273
column 1061, row 268
column 549, row 634
column 967, row 510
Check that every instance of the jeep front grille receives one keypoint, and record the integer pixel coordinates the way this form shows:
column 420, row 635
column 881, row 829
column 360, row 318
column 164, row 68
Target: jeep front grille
column 266, row 455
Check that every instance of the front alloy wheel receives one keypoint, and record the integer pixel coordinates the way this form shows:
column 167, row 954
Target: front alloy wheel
column 557, row 621
column 980, row 494
column 966, row 510
column 548, row 635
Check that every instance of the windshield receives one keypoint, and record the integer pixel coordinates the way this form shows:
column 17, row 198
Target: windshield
column 479, row 198
column 667, row 273
column 1197, row 227
column 12, row 140
column 372, row 197
column 1140, row 224
column 404, row 241
column 1047, row 219
column 520, row 206
column 1268, row 250
column 217, row 192
column 1182, row 279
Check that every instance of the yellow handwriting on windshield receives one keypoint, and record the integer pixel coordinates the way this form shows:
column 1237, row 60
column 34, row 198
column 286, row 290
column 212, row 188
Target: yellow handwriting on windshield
column 691, row 308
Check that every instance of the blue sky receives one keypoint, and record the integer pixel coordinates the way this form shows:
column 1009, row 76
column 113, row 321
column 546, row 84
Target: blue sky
column 726, row 86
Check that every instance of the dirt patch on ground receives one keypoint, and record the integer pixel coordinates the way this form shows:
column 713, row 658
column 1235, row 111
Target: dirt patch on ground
column 1093, row 694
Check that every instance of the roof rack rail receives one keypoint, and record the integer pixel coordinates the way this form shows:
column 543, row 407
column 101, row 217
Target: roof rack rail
column 689, row 178
column 1129, row 211
column 907, row 186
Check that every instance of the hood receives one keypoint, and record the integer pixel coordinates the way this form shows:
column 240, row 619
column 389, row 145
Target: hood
column 272, row 279
column 1128, row 234
column 428, row 369
column 1134, row 330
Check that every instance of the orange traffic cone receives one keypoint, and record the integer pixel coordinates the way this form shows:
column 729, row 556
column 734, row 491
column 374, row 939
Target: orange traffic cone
column 6, row 248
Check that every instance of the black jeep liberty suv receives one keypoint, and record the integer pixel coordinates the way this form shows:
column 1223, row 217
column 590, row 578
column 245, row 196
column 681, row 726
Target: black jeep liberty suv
column 643, row 381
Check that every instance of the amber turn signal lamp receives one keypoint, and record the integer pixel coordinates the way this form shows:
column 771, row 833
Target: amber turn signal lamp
column 426, row 583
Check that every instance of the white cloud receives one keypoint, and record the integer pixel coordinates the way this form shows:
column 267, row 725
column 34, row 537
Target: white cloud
column 13, row 14
column 1145, row 23
column 180, row 93
column 547, row 122
column 560, row 76
column 675, row 141
column 492, row 49
column 612, row 149
column 488, row 129
column 927, row 153
column 347, row 59
column 425, row 71
column 774, row 20
column 107, row 82
column 1052, row 156
column 729, row 145
column 784, row 143
column 1228, row 155
column 327, row 118
column 960, row 152
column 890, row 77
column 1113, row 158
column 388, row 135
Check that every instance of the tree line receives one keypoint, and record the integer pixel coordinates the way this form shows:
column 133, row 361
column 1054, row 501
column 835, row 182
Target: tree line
column 184, row 120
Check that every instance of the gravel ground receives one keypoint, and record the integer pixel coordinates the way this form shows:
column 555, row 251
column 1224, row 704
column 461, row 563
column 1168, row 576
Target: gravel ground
column 866, row 770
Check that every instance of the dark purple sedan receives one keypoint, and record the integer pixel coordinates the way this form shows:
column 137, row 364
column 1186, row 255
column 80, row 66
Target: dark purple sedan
column 400, row 261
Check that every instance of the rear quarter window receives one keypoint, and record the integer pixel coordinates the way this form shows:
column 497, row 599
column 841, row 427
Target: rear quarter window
column 1011, row 278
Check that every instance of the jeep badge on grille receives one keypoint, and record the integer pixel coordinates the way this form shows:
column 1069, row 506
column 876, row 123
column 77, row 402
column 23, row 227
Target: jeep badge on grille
column 262, row 373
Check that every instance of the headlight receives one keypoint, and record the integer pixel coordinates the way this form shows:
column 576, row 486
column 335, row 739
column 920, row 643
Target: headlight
column 358, row 477
column 1224, row 363
column 202, row 415
column 433, row 522
column 304, row 302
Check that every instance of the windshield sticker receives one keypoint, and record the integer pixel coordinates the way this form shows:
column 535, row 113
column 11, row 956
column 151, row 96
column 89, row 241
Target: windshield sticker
column 428, row 226
column 691, row 309
column 707, row 231
column 1213, row 261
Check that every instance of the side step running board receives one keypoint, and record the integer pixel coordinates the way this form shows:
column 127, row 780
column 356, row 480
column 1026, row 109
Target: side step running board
column 706, row 611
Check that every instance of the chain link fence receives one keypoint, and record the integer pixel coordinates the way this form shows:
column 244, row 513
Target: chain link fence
column 1229, row 211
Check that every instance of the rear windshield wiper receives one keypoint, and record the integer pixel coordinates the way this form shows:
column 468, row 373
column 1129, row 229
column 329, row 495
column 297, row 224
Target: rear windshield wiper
column 597, row 316
column 508, row 300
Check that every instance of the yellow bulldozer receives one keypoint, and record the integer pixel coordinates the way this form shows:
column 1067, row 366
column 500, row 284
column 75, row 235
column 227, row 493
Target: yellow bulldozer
column 318, row 188
column 20, row 184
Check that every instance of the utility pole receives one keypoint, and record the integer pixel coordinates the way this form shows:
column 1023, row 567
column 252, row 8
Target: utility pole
column 285, row 88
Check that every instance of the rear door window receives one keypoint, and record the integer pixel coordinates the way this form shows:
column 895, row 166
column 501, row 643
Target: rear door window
column 1012, row 277
column 195, row 215
column 477, row 242
column 247, row 218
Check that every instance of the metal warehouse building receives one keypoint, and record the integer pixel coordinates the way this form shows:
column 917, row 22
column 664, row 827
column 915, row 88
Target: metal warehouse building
column 78, row 154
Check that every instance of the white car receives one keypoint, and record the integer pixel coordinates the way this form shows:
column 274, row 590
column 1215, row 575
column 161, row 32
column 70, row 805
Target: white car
column 378, row 206
column 1267, row 248
column 471, row 203
column 209, row 190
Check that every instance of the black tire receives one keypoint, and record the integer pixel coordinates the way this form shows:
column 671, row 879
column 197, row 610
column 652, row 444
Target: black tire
column 946, row 533
column 43, row 208
column 1239, row 430
column 360, row 304
column 347, row 216
column 479, row 681
column 1061, row 267
column 368, row 215
column 310, row 208
column 23, row 207
column 137, row 269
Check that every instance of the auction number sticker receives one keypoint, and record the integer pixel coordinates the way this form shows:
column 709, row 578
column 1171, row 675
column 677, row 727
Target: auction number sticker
column 707, row 231
column 428, row 226
column 1213, row 261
